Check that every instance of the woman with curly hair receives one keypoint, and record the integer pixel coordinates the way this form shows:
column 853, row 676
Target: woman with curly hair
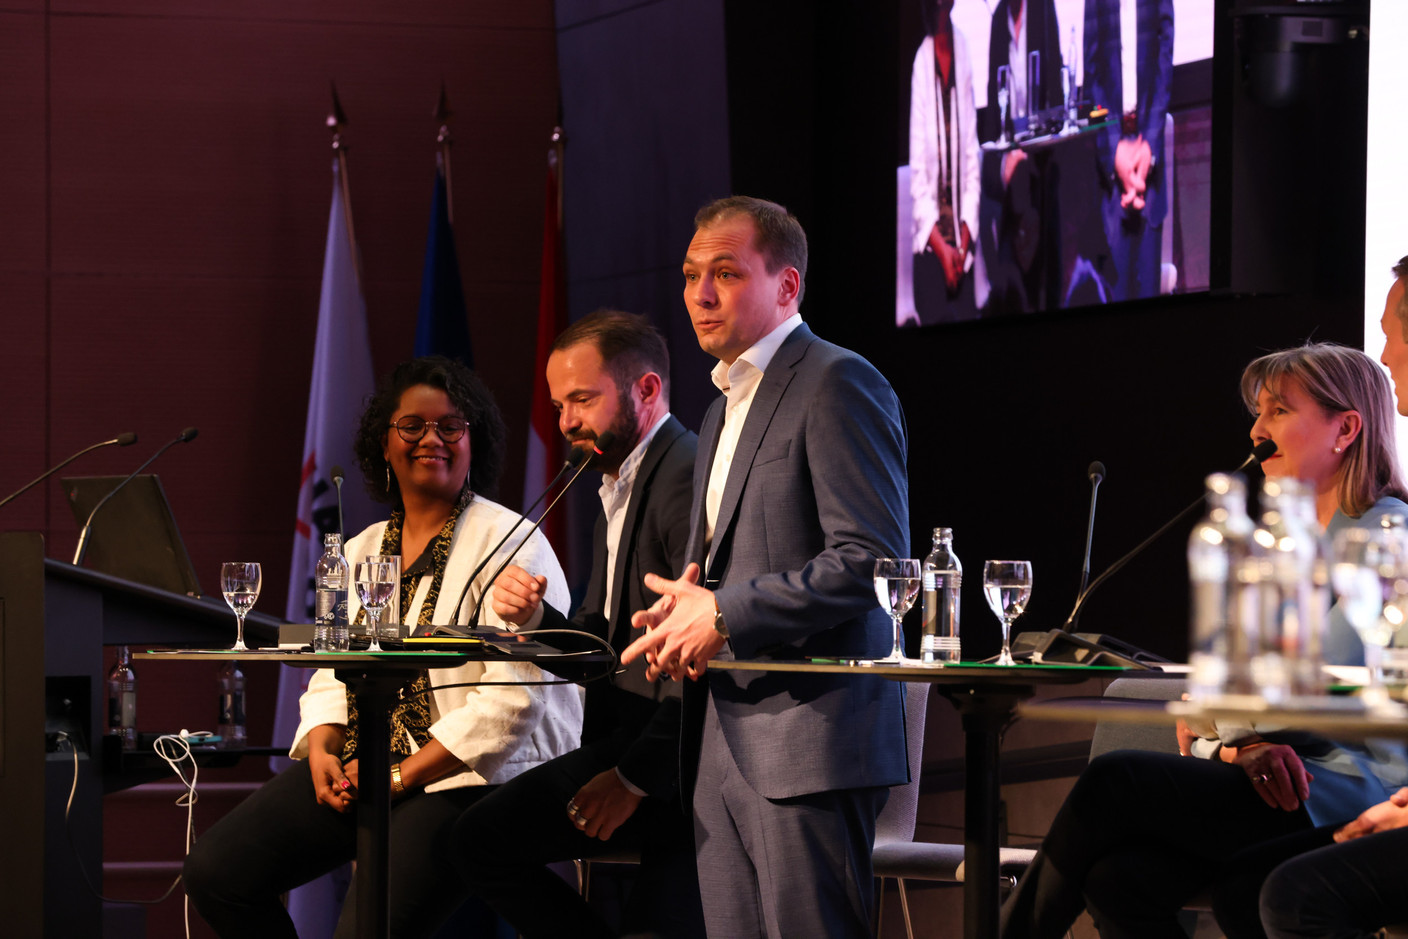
column 430, row 444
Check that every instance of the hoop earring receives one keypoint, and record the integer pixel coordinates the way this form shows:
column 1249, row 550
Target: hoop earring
column 388, row 477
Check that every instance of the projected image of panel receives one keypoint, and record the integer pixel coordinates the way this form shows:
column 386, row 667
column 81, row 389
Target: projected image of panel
column 1059, row 155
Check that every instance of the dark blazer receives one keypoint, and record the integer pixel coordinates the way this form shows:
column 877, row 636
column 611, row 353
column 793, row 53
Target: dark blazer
column 1044, row 36
column 816, row 492
column 1104, row 84
column 635, row 723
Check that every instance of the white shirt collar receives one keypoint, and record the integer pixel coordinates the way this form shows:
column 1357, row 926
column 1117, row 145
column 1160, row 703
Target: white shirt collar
column 758, row 356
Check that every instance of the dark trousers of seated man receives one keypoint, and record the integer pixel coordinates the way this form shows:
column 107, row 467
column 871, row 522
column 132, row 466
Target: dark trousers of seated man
column 502, row 843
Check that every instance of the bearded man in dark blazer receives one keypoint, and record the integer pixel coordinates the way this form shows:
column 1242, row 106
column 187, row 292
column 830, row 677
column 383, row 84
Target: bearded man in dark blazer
column 619, row 791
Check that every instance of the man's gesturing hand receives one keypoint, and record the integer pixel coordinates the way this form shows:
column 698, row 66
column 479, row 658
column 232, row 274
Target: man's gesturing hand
column 680, row 637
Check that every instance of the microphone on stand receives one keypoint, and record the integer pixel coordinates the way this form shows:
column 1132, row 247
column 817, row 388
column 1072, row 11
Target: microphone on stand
column 580, row 458
column 188, row 434
column 337, row 479
column 1096, row 472
column 1088, row 650
column 121, row 440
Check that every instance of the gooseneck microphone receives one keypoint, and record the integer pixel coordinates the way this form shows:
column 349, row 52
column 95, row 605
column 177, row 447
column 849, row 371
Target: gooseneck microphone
column 1096, row 472
column 580, row 458
column 188, row 434
column 337, row 478
column 1259, row 453
column 121, row 440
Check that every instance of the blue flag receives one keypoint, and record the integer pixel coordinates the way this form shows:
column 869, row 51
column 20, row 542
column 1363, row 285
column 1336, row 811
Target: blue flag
column 442, row 325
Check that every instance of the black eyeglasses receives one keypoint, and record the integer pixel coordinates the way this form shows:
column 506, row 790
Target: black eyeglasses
column 412, row 428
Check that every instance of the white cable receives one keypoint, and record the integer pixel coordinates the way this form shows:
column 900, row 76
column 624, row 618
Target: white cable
column 164, row 747
column 188, row 799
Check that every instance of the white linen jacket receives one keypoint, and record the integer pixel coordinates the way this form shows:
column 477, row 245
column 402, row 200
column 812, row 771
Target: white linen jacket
column 498, row 731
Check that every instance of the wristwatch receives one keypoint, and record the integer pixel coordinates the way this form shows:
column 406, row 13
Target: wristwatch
column 719, row 625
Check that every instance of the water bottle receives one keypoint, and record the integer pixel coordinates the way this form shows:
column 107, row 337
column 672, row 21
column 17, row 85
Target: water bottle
column 1222, row 574
column 122, row 700
column 231, row 725
column 1315, row 619
column 1286, row 550
column 331, row 578
column 942, row 578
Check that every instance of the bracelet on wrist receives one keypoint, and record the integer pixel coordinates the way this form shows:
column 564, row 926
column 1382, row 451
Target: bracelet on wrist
column 396, row 785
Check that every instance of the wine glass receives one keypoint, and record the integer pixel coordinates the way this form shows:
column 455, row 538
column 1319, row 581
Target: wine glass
column 1007, row 586
column 1004, row 83
column 376, row 581
column 239, row 582
column 896, row 586
column 1363, row 572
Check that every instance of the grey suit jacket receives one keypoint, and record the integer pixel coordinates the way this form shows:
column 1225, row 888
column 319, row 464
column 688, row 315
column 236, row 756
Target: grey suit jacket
column 816, row 492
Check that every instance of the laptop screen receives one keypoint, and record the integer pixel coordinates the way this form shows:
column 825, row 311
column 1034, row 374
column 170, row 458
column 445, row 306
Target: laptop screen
column 135, row 535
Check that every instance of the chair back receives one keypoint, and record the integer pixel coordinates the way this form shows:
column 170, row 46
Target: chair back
column 1160, row 738
column 898, row 818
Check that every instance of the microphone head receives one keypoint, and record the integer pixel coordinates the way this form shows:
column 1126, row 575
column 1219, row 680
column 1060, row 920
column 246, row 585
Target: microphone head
column 604, row 441
column 1264, row 450
column 1096, row 472
column 187, row 435
column 337, row 475
column 125, row 440
column 578, row 455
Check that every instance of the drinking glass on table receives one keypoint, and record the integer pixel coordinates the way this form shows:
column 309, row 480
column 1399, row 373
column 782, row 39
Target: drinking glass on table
column 1364, row 573
column 896, row 586
column 240, row 582
column 1007, row 586
column 376, row 581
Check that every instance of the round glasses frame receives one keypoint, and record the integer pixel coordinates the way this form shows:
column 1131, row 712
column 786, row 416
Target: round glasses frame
column 412, row 428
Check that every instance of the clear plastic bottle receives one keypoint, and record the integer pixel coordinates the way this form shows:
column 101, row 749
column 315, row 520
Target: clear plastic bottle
column 231, row 724
column 1222, row 575
column 942, row 579
column 1287, row 554
column 1310, row 657
column 331, row 578
column 122, row 699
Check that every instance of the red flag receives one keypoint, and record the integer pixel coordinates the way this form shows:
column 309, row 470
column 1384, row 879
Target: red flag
column 544, row 439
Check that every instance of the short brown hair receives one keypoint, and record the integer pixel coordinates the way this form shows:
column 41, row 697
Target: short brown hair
column 1338, row 378
column 1400, row 272
column 629, row 345
column 777, row 234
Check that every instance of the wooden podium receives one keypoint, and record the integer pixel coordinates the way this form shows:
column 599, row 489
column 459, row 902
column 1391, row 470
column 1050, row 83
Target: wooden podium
column 54, row 621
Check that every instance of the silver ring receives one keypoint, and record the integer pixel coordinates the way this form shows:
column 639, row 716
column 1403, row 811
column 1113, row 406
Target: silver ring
column 572, row 808
column 582, row 821
column 1260, row 779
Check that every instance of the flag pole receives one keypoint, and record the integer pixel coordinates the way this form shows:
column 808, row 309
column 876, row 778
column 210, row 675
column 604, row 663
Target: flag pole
column 556, row 157
column 336, row 121
column 442, row 116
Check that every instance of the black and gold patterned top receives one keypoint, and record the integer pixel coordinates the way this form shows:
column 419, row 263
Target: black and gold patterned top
column 411, row 719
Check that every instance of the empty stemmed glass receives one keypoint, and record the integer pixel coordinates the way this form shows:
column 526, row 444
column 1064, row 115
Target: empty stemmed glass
column 1364, row 573
column 376, row 582
column 1007, row 586
column 240, row 582
column 896, row 586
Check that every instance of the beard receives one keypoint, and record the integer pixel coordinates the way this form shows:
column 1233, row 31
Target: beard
column 625, row 427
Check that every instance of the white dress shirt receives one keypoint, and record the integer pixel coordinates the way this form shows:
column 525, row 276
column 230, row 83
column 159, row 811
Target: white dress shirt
column 1129, row 53
column 1017, row 60
column 615, row 499
column 738, row 382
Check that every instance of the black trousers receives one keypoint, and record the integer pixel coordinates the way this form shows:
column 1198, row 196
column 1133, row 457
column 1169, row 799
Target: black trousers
column 1141, row 834
column 502, row 843
column 1339, row 891
column 281, row 837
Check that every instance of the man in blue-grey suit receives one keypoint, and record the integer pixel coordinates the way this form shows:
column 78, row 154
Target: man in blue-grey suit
column 1129, row 68
column 799, row 486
